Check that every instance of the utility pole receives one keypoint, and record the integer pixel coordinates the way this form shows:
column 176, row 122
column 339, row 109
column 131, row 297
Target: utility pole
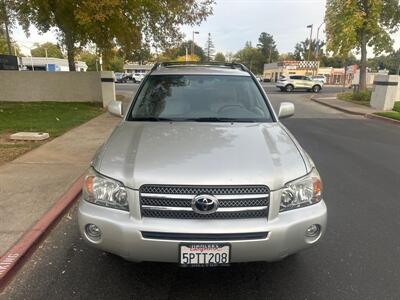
column 270, row 54
column 6, row 23
column 192, row 50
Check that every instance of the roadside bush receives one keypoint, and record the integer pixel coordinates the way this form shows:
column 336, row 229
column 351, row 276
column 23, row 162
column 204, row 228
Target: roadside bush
column 397, row 106
column 363, row 96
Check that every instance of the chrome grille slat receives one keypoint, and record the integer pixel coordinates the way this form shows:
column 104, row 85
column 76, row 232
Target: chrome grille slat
column 221, row 209
column 178, row 196
column 195, row 190
column 175, row 202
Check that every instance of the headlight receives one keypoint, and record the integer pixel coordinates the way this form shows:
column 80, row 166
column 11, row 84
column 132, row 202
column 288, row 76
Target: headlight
column 104, row 191
column 302, row 192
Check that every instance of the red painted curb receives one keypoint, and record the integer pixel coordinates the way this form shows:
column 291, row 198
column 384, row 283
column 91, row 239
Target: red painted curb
column 10, row 260
column 383, row 119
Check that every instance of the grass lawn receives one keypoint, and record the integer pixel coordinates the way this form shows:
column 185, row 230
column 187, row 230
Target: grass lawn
column 395, row 114
column 52, row 117
column 362, row 98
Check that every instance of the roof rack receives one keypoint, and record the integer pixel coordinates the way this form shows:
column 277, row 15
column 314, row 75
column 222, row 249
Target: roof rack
column 232, row 65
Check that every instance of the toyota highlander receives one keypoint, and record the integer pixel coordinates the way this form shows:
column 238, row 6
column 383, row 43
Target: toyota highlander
column 201, row 172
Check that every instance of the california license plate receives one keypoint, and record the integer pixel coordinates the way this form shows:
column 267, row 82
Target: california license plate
column 204, row 255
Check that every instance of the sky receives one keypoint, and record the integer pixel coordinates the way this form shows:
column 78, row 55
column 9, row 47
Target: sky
column 236, row 21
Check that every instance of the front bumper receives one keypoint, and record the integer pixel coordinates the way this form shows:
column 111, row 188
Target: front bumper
column 280, row 84
column 122, row 233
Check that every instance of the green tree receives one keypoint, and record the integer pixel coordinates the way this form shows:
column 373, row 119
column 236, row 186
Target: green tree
column 140, row 55
column 250, row 57
column 53, row 50
column 338, row 61
column 267, row 46
column 89, row 58
column 209, row 48
column 219, row 56
column 286, row 56
column 389, row 62
column 302, row 49
column 180, row 50
column 108, row 23
column 356, row 24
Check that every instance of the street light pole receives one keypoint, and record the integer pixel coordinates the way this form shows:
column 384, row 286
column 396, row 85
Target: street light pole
column 317, row 46
column 192, row 50
column 309, row 50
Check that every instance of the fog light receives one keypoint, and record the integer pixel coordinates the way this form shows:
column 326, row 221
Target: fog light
column 313, row 230
column 93, row 231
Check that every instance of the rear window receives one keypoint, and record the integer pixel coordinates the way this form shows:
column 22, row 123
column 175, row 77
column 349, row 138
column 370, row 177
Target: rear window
column 205, row 98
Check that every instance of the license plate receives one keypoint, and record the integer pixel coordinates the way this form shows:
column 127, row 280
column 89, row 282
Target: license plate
column 204, row 255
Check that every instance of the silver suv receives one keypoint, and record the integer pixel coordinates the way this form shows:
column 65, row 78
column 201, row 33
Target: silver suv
column 201, row 172
column 299, row 82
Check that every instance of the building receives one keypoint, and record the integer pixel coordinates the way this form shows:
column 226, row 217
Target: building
column 137, row 68
column 50, row 64
column 273, row 71
column 338, row 76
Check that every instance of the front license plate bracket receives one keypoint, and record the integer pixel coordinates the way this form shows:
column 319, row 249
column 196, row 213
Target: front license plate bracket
column 204, row 254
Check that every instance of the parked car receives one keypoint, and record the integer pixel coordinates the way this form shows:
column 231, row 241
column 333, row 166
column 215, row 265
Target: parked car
column 201, row 172
column 121, row 77
column 298, row 82
column 137, row 77
column 320, row 78
column 259, row 78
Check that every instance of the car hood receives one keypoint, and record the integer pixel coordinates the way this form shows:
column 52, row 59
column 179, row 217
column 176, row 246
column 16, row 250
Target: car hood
column 189, row 153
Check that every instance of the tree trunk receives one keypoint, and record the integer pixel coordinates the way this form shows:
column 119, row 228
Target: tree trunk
column 69, row 43
column 6, row 23
column 363, row 67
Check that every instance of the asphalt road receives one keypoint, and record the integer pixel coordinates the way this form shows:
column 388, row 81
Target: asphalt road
column 358, row 259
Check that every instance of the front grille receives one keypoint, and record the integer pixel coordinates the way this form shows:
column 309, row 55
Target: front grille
column 175, row 202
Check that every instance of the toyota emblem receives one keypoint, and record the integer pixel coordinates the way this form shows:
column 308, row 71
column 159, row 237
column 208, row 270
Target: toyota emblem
column 204, row 204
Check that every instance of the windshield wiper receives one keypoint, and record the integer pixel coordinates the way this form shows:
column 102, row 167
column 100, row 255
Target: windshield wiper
column 205, row 119
column 153, row 119
column 221, row 119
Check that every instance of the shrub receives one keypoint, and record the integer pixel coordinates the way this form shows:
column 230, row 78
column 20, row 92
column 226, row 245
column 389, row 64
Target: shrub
column 363, row 96
column 397, row 106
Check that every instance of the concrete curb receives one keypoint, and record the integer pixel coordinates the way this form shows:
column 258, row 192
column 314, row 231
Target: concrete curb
column 338, row 107
column 14, row 257
column 368, row 116
column 383, row 119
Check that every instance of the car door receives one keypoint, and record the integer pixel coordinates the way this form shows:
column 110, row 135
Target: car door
column 307, row 82
column 296, row 80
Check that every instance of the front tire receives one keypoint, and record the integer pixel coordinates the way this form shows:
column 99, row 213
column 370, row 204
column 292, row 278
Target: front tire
column 316, row 88
column 289, row 88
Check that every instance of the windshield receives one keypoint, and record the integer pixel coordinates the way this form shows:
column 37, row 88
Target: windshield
column 200, row 98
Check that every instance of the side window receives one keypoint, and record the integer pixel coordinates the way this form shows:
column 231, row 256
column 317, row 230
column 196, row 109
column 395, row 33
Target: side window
column 306, row 78
column 296, row 77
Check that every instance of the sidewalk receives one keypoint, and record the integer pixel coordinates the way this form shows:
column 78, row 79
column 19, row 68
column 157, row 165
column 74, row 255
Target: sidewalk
column 345, row 106
column 31, row 184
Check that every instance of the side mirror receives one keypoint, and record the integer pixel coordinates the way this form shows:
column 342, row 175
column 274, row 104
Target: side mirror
column 286, row 110
column 115, row 108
